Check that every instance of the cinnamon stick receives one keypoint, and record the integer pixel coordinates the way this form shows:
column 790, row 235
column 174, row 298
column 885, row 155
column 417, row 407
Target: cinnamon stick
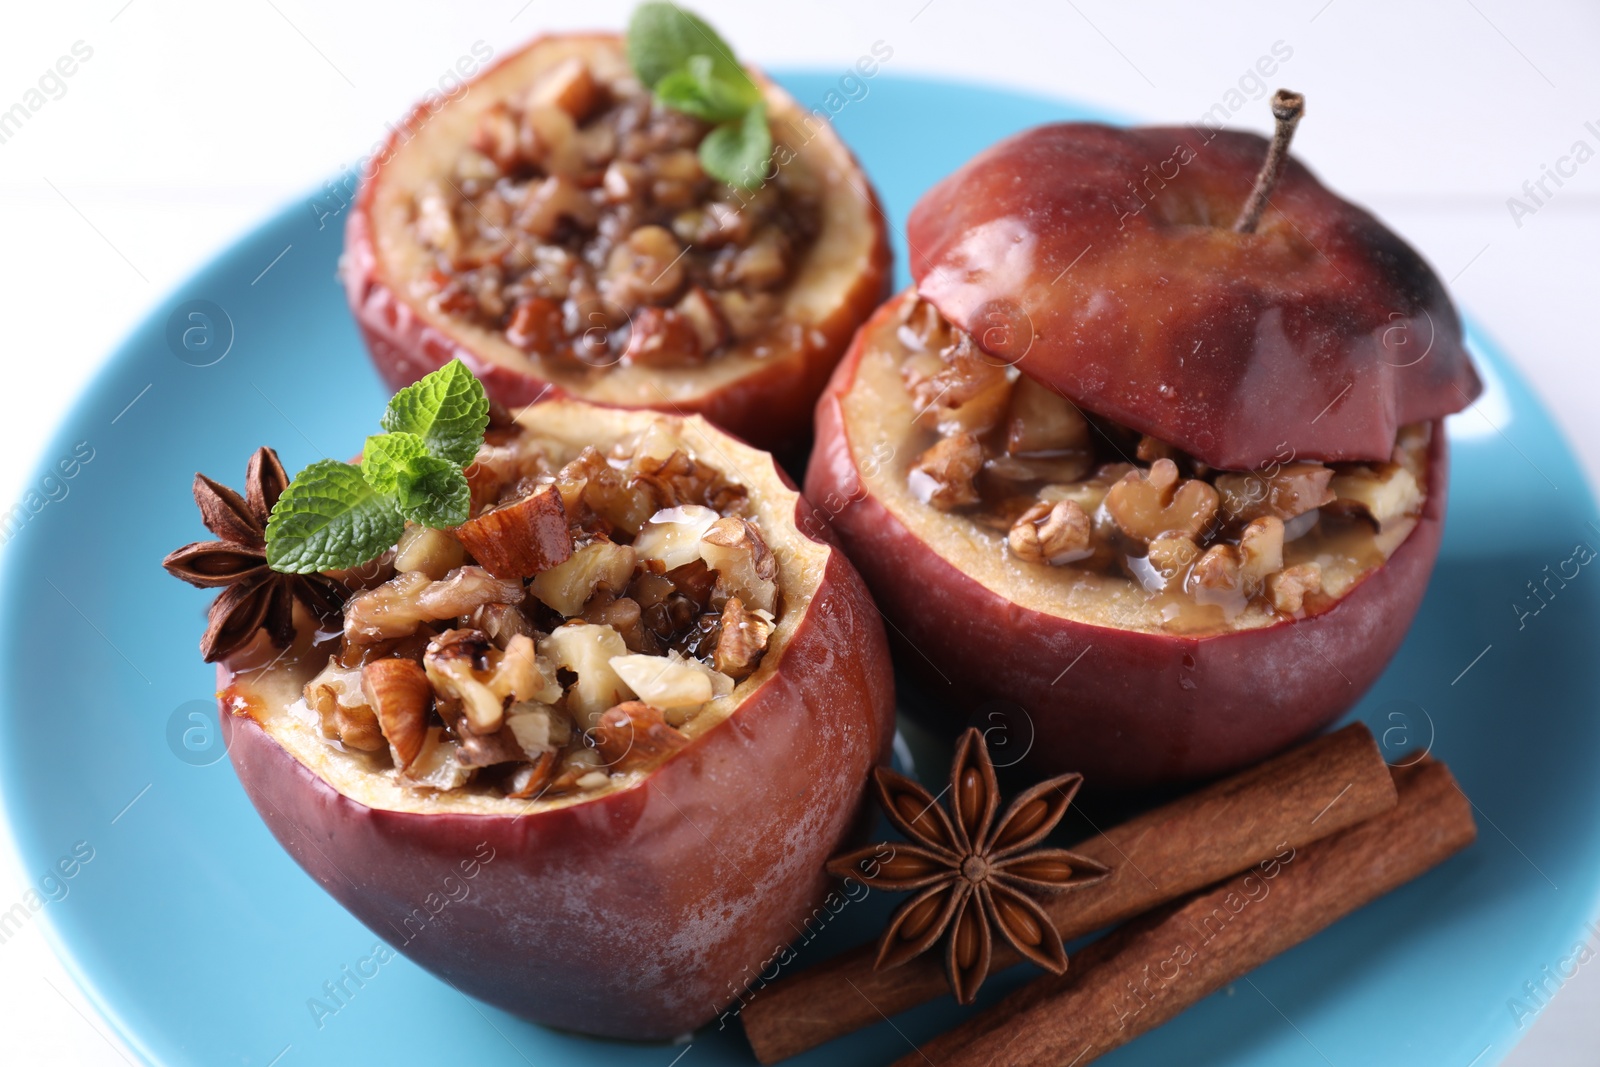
column 1148, row 972
column 1317, row 789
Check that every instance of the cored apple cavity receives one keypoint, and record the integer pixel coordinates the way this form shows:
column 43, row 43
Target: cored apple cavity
column 662, row 593
column 1069, row 514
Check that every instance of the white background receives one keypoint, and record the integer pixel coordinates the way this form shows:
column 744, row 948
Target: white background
column 193, row 121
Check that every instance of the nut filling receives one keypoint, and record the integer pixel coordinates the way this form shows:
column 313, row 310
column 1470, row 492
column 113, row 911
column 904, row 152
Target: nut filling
column 581, row 226
column 1070, row 490
column 591, row 608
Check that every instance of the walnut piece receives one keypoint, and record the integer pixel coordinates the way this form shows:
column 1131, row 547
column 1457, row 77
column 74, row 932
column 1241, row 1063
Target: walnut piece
column 1147, row 505
column 1052, row 533
column 335, row 694
column 1261, row 549
column 1172, row 554
column 1293, row 489
column 745, row 567
column 465, row 666
column 397, row 607
column 1290, row 586
column 943, row 475
column 1216, row 572
column 742, row 638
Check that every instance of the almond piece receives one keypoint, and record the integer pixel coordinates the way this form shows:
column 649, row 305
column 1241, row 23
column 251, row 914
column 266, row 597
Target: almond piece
column 633, row 734
column 521, row 539
column 399, row 694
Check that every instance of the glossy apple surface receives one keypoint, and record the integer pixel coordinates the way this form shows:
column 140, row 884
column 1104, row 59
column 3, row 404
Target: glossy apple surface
column 639, row 911
column 1101, row 262
column 762, row 390
column 1125, row 706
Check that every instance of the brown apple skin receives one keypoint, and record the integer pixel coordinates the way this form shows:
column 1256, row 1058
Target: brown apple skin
column 1137, row 709
column 643, row 913
column 770, row 407
column 1102, row 263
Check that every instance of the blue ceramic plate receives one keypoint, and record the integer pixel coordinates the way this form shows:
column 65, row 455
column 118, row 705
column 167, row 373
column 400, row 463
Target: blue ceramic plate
column 203, row 943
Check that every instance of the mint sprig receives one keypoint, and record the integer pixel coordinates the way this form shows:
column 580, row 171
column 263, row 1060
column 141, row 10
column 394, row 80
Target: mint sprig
column 329, row 519
column 691, row 69
column 337, row 515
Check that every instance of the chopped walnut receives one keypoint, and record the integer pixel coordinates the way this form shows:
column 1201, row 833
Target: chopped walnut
column 1147, row 505
column 967, row 395
column 1052, row 533
column 1290, row 586
column 943, row 475
column 556, row 202
column 587, row 650
column 571, row 86
column 591, row 481
column 336, row 696
column 742, row 638
column 679, row 478
column 465, row 666
column 1261, row 549
column 501, row 622
column 633, row 734
column 1292, row 490
column 1171, row 555
column 397, row 607
column 745, row 567
column 661, row 337
column 1216, row 572
column 704, row 318
column 644, row 269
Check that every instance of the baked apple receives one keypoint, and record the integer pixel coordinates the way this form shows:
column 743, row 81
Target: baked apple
column 584, row 754
column 1169, row 486
column 555, row 227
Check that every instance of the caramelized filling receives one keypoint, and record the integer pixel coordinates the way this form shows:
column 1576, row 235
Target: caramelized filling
column 581, row 227
column 594, row 605
column 1065, row 490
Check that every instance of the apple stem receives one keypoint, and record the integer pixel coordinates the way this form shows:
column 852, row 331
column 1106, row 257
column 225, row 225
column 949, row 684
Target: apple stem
column 1287, row 107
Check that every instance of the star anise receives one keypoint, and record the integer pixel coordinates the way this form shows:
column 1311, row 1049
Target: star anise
column 255, row 597
column 974, row 871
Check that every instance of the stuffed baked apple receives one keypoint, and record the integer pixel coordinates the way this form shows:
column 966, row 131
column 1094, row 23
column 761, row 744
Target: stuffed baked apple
column 635, row 222
column 599, row 672
column 1152, row 450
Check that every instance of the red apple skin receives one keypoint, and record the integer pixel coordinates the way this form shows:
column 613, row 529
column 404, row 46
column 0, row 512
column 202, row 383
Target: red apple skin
column 1136, row 709
column 1101, row 262
column 641, row 914
column 770, row 407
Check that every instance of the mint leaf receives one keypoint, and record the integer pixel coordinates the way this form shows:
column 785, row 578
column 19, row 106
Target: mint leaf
column 695, row 91
column 447, row 409
column 328, row 519
column 663, row 37
column 433, row 492
column 737, row 152
column 386, row 455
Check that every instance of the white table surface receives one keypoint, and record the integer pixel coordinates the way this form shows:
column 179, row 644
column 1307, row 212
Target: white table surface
column 191, row 122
